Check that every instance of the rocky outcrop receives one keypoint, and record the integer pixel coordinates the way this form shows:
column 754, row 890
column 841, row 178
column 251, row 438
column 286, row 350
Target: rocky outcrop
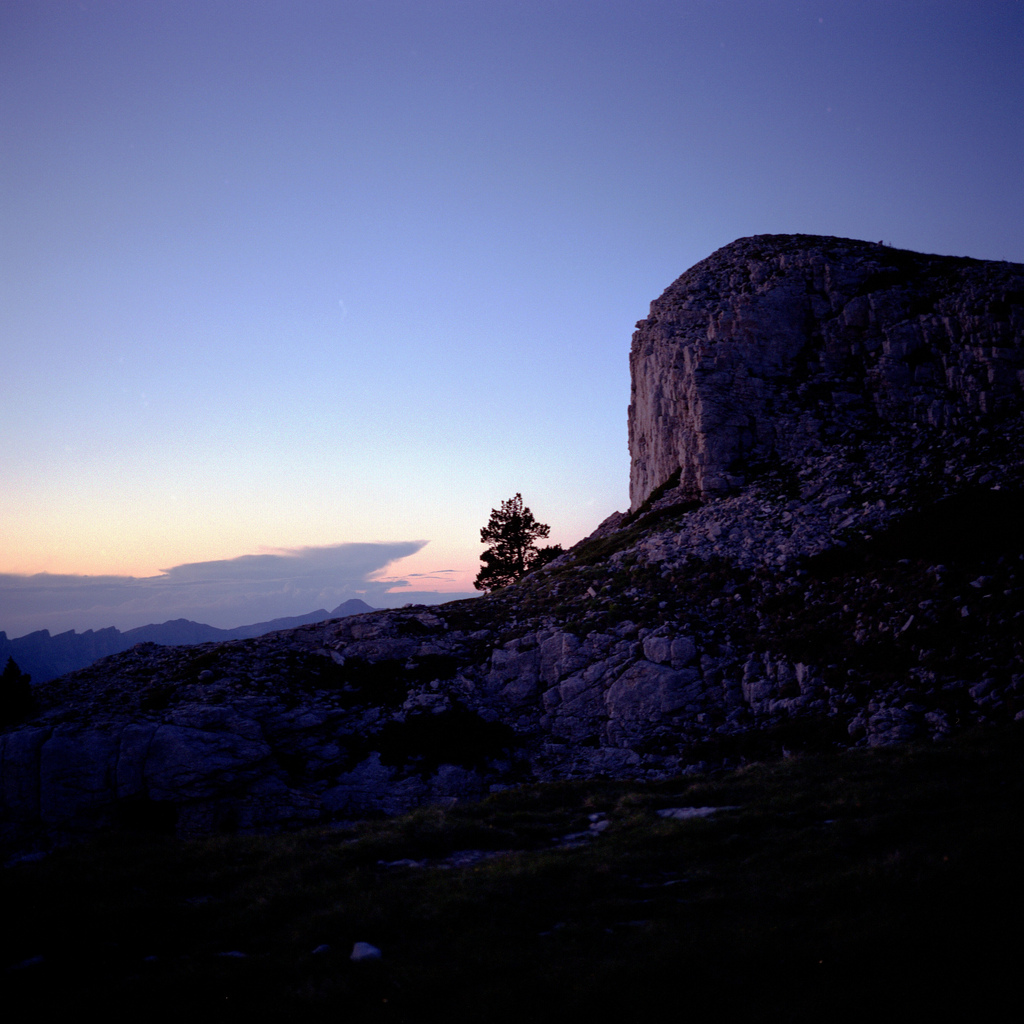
column 855, row 577
column 777, row 343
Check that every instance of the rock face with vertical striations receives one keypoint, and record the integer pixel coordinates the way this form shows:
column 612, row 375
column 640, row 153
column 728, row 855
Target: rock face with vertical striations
column 777, row 343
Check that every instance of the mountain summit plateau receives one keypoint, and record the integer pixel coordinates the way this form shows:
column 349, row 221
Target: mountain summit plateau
column 777, row 343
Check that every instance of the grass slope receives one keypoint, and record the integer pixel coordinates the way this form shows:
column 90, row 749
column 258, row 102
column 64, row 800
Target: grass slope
column 881, row 883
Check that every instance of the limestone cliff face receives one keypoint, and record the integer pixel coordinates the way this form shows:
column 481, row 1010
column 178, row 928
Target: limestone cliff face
column 777, row 343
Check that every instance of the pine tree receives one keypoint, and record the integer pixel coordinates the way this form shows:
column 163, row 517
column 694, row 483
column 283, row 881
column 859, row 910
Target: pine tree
column 15, row 693
column 511, row 532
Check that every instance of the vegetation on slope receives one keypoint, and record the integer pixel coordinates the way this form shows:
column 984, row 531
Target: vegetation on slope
column 827, row 887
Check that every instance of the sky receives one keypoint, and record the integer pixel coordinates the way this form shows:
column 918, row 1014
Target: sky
column 294, row 292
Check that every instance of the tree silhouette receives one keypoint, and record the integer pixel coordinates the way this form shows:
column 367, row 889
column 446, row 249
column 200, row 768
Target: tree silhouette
column 511, row 532
column 15, row 693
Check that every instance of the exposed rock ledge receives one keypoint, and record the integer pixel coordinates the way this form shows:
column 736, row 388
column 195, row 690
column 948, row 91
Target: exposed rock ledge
column 860, row 583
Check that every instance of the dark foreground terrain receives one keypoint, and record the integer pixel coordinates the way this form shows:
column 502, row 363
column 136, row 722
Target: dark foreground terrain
column 865, row 884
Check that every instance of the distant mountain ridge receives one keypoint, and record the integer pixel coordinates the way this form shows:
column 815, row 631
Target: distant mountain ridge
column 45, row 657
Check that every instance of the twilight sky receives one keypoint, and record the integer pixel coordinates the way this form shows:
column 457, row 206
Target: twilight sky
column 324, row 282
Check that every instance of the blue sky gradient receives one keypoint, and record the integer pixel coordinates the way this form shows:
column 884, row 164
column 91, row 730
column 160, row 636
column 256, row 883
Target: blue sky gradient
column 289, row 276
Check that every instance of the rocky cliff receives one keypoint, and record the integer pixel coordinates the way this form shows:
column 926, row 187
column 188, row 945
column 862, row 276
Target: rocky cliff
column 778, row 343
column 825, row 550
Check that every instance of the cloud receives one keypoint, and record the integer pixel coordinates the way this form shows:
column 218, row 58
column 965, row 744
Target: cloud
column 225, row 593
column 398, row 599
